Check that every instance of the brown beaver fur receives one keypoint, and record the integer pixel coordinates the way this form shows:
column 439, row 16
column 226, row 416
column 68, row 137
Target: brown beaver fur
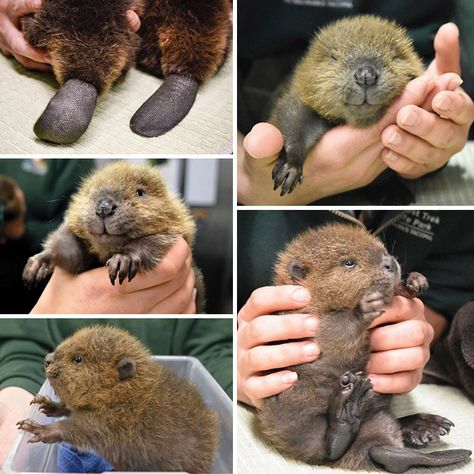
column 136, row 413
column 353, row 70
column 91, row 43
column 123, row 216
column 331, row 415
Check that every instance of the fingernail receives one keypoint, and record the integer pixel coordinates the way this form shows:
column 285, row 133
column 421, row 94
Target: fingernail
column 290, row 377
column 301, row 295
column 391, row 156
column 395, row 139
column 311, row 325
column 408, row 117
column 37, row 4
column 443, row 103
column 310, row 349
column 455, row 83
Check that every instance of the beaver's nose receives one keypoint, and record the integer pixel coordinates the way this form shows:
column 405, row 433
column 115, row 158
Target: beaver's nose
column 105, row 208
column 388, row 263
column 366, row 76
column 48, row 360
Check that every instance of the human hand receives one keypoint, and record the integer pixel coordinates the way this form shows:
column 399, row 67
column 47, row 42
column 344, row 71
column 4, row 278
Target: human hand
column 12, row 41
column 257, row 327
column 14, row 406
column 400, row 349
column 133, row 20
column 167, row 289
column 425, row 137
column 345, row 158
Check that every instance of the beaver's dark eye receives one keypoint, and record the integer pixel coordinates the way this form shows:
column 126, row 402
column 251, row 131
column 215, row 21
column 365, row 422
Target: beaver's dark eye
column 348, row 263
column 140, row 192
column 78, row 359
column 333, row 57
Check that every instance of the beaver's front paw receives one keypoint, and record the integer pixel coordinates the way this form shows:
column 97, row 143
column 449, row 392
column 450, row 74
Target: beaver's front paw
column 123, row 266
column 416, row 284
column 37, row 268
column 371, row 305
column 43, row 433
column 48, row 407
column 287, row 176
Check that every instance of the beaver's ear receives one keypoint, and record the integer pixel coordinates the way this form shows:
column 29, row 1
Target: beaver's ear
column 297, row 270
column 126, row 368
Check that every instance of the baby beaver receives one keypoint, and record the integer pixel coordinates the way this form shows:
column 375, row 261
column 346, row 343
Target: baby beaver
column 353, row 71
column 332, row 414
column 122, row 216
column 134, row 412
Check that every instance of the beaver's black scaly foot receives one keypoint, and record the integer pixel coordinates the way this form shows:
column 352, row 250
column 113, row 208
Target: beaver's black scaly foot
column 166, row 107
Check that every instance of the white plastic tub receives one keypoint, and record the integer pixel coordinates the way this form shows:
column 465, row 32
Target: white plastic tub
column 40, row 457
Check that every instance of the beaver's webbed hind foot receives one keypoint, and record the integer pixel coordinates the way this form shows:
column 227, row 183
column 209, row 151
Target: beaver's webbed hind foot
column 166, row 107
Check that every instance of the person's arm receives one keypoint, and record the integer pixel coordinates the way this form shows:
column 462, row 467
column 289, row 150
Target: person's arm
column 167, row 289
column 210, row 340
column 12, row 41
column 400, row 349
column 14, row 406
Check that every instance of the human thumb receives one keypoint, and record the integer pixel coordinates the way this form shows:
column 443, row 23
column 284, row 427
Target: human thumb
column 447, row 49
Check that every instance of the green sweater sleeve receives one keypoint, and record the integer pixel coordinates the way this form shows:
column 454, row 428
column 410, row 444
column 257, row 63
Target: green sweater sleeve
column 22, row 349
column 211, row 341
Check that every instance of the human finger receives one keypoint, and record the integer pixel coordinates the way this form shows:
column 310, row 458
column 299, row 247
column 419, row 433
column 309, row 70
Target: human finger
column 262, row 144
column 447, row 49
column 421, row 150
column 446, row 82
column 177, row 301
column 277, row 328
column 403, row 166
column 258, row 387
column 415, row 93
column 18, row 45
column 133, row 20
column 456, row 106
column 277, row 356
column 19, row 8
column 270, row 299
column 405, row 334
column 398, row 360
column 401, row 382
column 177, row 259
column 439, row 132
column 401, row 309
column 191, row 308
column 30, row 64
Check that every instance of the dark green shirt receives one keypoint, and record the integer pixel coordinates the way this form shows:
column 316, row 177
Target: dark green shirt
column 25, row 342
column 438, row 244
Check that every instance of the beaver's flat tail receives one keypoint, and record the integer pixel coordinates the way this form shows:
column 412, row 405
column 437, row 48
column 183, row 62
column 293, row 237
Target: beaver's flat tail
column 401, row 459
